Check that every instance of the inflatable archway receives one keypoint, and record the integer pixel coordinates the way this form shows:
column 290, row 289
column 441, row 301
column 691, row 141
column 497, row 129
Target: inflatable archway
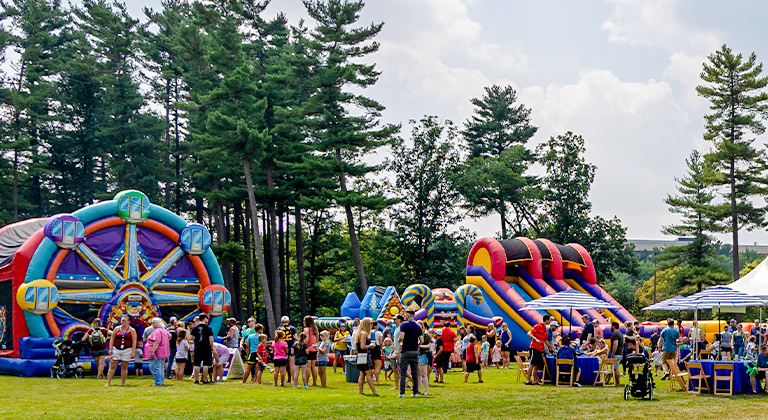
column 120, row 256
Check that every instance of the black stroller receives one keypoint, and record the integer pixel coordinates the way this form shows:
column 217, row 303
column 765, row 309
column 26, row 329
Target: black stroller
column 640, row 377
column 67, row 365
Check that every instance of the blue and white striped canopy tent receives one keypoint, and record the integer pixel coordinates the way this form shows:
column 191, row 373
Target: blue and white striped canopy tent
column 568, row 299
column 719, row 297
column 677, row 303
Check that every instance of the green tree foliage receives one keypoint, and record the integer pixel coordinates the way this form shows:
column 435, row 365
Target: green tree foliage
column 423, row 168
column 493, row 178
column 694, row 203
column 735, row 89
column 339, row 132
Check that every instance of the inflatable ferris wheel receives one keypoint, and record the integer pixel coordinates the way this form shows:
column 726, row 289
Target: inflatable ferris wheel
column 124, row 256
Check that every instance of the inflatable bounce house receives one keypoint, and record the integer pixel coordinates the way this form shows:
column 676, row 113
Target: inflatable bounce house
column 121, row 256
column 501, row 277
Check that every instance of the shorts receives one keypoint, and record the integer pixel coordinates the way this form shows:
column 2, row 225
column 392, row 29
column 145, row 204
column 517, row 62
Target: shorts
column 395, row 364
column 537, row 358
column 375, row 353
column 99, row 353
column 442, row 360
column 504, row 348
column 203, row 358
column 323, row 363
column 423, row 360
column 280, row 362
column 760, row 375
column 253, row 358
column 300, row 361
column 341, row 352
column 725, row 349
column 262, row 368
column 473, row 367
column 138, row 366
column 668, row 355
column 312, row 355
column 181, row 360
column 121, row 355
column 483, row 357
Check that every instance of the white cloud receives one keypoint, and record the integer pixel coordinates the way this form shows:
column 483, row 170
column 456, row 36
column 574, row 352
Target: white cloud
column 635, row 133
column 655, row 23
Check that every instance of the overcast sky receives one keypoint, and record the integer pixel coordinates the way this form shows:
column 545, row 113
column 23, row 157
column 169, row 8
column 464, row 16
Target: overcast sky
column 620, row 73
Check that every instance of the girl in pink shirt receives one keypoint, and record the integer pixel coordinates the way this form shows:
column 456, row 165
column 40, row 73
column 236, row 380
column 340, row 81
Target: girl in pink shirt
column 280, row 349
column 311, row 332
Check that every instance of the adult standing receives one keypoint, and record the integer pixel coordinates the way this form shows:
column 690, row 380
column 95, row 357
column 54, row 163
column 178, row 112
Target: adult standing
column 598, row 330
column 204, row 354
column 490, row 334
column 122, row 348
column 442, row 358
column 732, row 325
column 726, row 343
column 311, row 332
column 341, row 347
column 364, row 364
column 289, row 336
column 670, row 337
column 98, row 342
column 756, row 332
column 538, row 335
column 377, row 340
column 694, row 334
column 172, row 346
column 588, row 331
column 506, row 342
column 424, row 350
column 617, row 348
column 232, row 339
column 394, row 359
column 739, row 341
column 159, row 350
column 409, row 336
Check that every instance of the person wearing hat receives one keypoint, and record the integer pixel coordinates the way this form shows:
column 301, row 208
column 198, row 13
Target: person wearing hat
column 289, row 336
column 409, row 336
column 588, row 331
column 552, row 337
column 232, row 340
column 761, row 368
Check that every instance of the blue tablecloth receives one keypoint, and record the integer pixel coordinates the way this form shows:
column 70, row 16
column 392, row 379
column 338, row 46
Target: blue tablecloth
column 587, row 365
column 740, row 378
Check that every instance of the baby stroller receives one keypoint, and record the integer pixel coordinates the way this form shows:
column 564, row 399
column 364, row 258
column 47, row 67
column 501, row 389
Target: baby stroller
column 67, row 365
column 640, row 377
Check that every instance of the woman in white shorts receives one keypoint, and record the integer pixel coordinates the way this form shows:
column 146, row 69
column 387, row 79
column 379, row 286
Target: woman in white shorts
column 122, row 348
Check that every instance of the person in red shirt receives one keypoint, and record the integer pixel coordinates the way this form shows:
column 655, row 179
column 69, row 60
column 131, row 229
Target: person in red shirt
column 538, row 336
column 473, row 358
column 448, row 338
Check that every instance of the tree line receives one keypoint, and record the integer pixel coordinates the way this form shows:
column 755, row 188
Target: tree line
column 259, row 128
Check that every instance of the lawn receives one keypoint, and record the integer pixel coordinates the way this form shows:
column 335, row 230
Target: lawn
column 500, row 397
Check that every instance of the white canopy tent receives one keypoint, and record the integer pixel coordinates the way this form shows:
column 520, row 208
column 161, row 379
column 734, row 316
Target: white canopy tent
column 755, row 283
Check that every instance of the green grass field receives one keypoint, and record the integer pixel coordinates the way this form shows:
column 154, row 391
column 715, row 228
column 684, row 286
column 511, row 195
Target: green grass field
column 500, row 397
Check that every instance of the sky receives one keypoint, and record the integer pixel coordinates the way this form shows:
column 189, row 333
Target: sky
column 620, row 73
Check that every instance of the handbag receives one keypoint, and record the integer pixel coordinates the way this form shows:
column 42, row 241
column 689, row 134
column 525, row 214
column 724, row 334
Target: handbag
column 362, row 358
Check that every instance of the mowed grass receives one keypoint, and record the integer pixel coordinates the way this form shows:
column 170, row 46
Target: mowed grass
column 499, row 397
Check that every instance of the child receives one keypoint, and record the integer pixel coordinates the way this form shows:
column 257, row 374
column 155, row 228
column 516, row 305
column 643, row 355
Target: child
column 657, row 354
column 299, row 352
column 484, row 351
column 751, row 352
column 496, row 358
column 182, row 354
column 262, row 357
column 456, row 357
column 138, row 359
column 715, row 347
column 388, row 350
column 323, row 350
column 473, row 358
column 280, row 349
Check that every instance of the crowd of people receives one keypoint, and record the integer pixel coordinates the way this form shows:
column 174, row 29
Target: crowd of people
column 406, row 351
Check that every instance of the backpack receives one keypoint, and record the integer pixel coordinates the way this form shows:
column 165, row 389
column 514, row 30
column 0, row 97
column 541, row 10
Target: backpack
column 97, row 339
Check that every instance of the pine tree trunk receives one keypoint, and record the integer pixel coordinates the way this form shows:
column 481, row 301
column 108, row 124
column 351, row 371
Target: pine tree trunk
column 176, row 131
column 734, row 221
column 287, row 257
column 267, row 296
column 166, row 155
column 281, row 264
column 274, row 259
column 248, row 265
column 300, row 262
column 503, row 215
column 351, row 226
column 237, row 271
column 226, row 266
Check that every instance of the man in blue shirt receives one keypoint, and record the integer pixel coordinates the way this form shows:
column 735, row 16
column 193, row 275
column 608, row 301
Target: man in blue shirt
column 410, row 332
column 567, row 352
column 669, row 337
column 762, row 367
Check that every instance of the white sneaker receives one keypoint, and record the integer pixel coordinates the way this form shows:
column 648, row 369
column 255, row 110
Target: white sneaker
column 401, row 396
column 414, row 395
